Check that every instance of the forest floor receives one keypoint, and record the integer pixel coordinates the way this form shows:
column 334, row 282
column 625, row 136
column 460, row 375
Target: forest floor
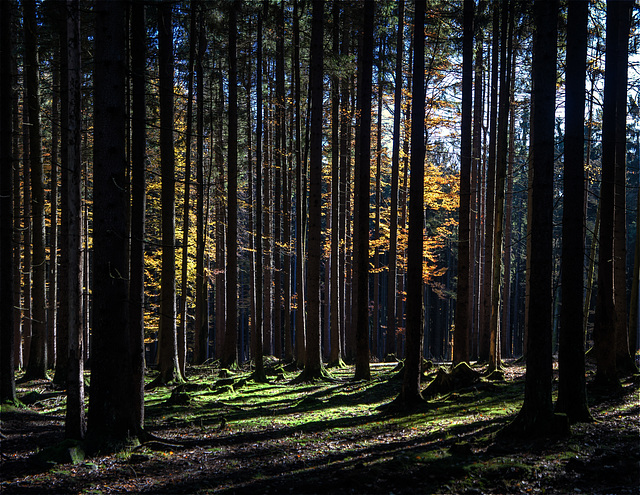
column 227, row 434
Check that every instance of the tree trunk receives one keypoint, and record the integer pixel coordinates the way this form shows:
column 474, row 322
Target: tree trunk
column 604, row 331
column 313, row 367
column 410, row 393
column 536, row 416
column 7, row 296
column 75, row 419
column 300, row 200
column 182, row 326
column 258, row 374
column 463, row 306
column 52, row 312
column 138, row 206
column 110, row 423
column 230, row 350
column 392, row 286
column 572, row 396
column 201, row 337
column 624, row 361
column 167, row 336
column 361, row 243
column 37, row 363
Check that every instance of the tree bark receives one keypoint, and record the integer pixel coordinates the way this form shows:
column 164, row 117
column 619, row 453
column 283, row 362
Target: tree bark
column 110, row 423
column 230, row 350
column 410, row 393
column 463, row 306
column 167, row 335
column 536, row 415
column 572, row 396
column 7, row 296
column 37, row 363
column 361, row 242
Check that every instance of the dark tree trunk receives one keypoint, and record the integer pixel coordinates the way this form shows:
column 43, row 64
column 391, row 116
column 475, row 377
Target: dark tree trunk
column 313, row 367
column 182, row 325
column 463, row 302
column 572, row 397
column 536, row 416
column 336, row 321
column 230, row 349
column 201, row 338
column 410, row 393
column 138, row 207
column 62, row 334
column 110, row 423
column 167, row 335
column 301, row 314
column 52, row 312
column 392, row 286
column 624, row 360
column 256, row 338
column 7, row 296
column 75, row 419
column 604, row 331
column 37, row 363
column 361, row 232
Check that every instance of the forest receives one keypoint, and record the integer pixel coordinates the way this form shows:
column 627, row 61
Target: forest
column 255, row 246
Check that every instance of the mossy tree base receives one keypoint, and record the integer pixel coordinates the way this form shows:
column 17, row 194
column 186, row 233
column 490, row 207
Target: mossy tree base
column 312, row 375
column 461, row 376
column 530, row 424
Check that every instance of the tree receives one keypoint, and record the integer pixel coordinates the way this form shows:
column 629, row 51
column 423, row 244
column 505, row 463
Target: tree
column 410, row 393
column 182, row 328
column 536, row 415
column 313, row 367
column 37, row 363
column 463, row 303
column 259, row 373
column 167, row 337
column 230, row 350
column 301, row 314
column 361, row 240
column 624, row 361
column 110, row 423
column 392, row 287
column 605, row 324
column 7, row 354
column 572, row 396
column 75, row 420
column 138, row 207
column 201, row 345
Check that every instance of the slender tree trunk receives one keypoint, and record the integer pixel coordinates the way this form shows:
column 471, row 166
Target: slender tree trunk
column 624, row 361
column 52, row 312
column 336, row 319
column 182, row 326
column 168, row 346
column 230, row 349
column 410, row 393
column 604, row 332
column 62, row 333
column 301, row 317
column 313, row 367
column 361, row 231
column 201, row 337
column 75, row 420
column 37, row 363
column 7, row 295
column 259, row 374
column 392, row 286
column 501, row 169
column 463, row 306
column 138, row 207
column 572, row 396
column 375, row 331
